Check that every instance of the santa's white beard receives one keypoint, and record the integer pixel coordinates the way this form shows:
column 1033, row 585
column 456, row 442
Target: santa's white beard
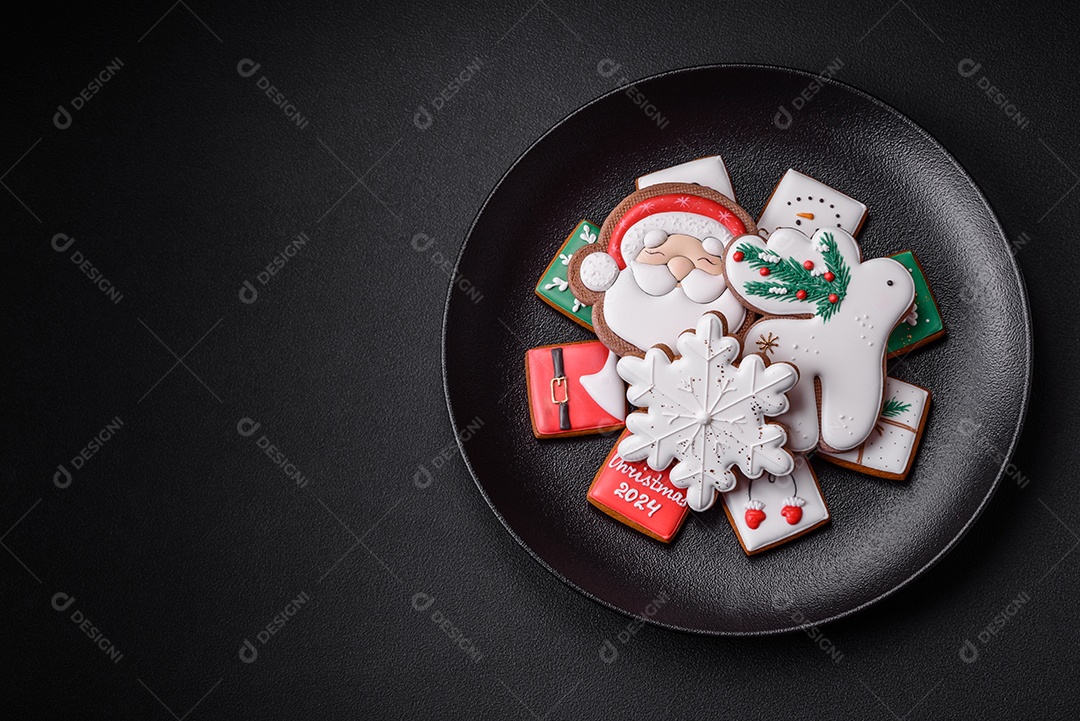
column 644, row 320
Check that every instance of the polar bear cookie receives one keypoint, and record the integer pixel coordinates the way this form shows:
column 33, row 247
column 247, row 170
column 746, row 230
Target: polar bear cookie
column 837, row 312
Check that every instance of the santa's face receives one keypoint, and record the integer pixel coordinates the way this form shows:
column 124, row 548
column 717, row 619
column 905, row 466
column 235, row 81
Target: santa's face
column 681, row 264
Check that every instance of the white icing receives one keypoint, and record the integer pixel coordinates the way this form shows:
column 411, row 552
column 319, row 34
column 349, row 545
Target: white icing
column 671, row 223
column 644, row 320
column 606, row 388
column 710, row 172
column 655, row 238
column 778, row 291
column 599, row 271
column 773, row 493
column 755, row 505
column 769, row 257
column 715, row 246
column 706, row 412
column 912, row 317
column 890, row 450
column 845, row 353
column 798, row 193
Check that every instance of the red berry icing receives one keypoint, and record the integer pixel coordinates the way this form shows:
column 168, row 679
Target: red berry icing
column 829, row 277
column 808, row 264
column 737, row 256
column 833, row 298
column 801, row 294
column 764, row 271
column 792, row 514
column 754, row 517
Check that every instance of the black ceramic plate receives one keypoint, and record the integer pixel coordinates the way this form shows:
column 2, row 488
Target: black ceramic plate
column 883, row 533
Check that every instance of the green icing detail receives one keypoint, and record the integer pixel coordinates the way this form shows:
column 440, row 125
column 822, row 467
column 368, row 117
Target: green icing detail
column 553, row 285
column 788, row 276
column 929, row 321
column 894, row 408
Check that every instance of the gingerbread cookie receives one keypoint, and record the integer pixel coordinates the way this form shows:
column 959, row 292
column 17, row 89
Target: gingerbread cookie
column 841, row 311
column 770, row 510
column 706, row 411
column 638, row 496
column 890, row 449
column 709, row 172
column 808, row 205
column 574, row 390
column 658, row 266
column 923, row 324
column 554, row 289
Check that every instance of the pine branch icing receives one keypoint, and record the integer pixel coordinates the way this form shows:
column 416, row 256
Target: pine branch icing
column 893, row 408
column 795, row 281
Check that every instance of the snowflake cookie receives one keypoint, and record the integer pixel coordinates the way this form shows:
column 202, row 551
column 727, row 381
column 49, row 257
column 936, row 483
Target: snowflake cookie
column 707, row 412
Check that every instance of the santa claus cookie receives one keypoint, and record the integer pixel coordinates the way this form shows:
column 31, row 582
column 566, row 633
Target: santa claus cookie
column 840, row 311
column 658, row 266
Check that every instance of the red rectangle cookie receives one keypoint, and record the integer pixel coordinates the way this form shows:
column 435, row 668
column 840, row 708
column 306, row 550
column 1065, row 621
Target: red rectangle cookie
column 644, row 499
column 574, row 390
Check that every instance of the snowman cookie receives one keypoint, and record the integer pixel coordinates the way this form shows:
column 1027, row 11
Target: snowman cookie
column 808, row 205
column 658, row 266
column 831, row 314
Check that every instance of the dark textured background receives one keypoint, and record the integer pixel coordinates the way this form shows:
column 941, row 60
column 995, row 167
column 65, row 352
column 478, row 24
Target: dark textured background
column 180, row 539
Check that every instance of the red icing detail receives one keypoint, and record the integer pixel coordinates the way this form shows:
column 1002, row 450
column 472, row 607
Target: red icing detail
column 829, row 277
column 737, row 256
column 808, row 264
column 833, row 297
column 579, row 359
column 618, row 479
column 764, row 271
column 754, row 517
column 674, row 203
column 801, row 294
column 793, row 514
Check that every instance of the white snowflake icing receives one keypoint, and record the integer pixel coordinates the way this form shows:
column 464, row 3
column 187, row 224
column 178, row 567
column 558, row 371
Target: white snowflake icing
column 557, row 282
column 587, row 235
column 565, row 258
column 706, row 412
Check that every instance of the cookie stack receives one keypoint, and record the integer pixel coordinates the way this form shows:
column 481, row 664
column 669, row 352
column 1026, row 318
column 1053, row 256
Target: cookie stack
column 745, row 347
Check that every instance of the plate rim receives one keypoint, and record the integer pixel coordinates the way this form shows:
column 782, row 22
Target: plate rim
column 1006, row 457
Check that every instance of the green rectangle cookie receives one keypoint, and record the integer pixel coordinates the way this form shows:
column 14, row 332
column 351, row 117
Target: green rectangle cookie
column 553, row 288
column 927, row 325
